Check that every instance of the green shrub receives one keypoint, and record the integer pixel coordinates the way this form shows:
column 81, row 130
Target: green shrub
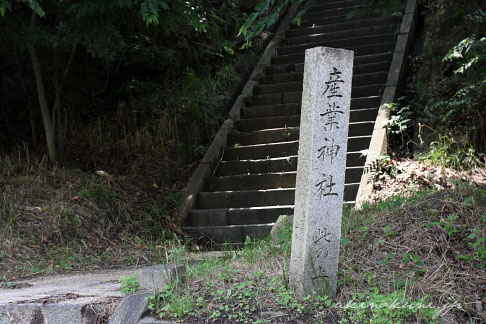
column 130, row 284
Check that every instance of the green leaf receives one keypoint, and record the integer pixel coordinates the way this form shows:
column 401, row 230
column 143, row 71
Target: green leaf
column 345, row 241
column 298, row 21
column 4, row 5
column 34, row 5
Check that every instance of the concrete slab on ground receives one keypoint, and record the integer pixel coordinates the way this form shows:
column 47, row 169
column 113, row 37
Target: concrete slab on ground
column 83, row 298
column 94, row 285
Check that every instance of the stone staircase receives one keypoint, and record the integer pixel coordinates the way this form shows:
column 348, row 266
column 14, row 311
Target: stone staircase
column 254, row 182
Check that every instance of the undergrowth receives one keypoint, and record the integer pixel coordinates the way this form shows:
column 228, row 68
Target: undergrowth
column 429, row 245
column 448, row 83
column 56, row 220
column 420, row 259
column 241, row 286
column 111, row 200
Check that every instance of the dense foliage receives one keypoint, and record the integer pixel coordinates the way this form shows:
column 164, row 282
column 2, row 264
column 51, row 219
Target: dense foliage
column 266, row 13
column 75, row 60
column 451, row 81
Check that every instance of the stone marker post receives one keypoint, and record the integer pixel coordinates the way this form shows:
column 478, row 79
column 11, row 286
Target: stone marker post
column 319, row 193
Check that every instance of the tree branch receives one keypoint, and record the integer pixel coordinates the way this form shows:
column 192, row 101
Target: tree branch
column 41, row 94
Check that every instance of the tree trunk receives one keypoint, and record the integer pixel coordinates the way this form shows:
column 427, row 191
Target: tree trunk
column 57, row 115
column 46, row 115
column 50, row 120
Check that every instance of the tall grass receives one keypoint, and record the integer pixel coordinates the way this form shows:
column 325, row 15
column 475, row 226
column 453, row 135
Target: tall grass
column 156, row 121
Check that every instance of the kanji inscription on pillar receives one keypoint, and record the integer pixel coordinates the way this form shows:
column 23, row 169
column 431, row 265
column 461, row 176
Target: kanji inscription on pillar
column 319, row 194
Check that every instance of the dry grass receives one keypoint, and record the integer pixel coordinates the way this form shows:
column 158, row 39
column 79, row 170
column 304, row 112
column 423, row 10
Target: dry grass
column 59, row 219
column 422, row 247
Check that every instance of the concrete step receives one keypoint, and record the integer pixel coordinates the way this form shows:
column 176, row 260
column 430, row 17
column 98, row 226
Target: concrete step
column 281, row 83
column 264, row 136
column 293, row 81
column 340, row 35
column 237, row 216
column 274, row 99
column 275, row 165
column 336, row 12
column 326, row 5
column 285, row 164
column 276, row 150
column 251, row 182
column 373, row 63
column 376, row 68
column 230, row 233
column 350, row 25
column 256, row 166
column 364, row 50
column 363, row 105
column 367, row 90
column 270, row 111
column 367, row 114
column 281, row 127
column 266, row 180
column 261, row 151
column 324, row 21
column 365, row 102
column 256, row 198
column 359, row 136
column 296, row 96
column 247, row 198
column 249, row 125
column 350, row 43
column 254, row 183
column 278, row 88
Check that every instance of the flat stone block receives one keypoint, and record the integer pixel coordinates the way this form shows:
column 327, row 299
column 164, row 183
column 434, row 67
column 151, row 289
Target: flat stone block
column 256, row 231
column 130, row 309
column 62, row 313
column 279, row 224
column 158, row 276
column 21, row 314
column 79, row 311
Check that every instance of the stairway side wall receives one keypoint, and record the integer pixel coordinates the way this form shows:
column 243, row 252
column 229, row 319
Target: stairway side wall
column 379, row 139
column 210, row 160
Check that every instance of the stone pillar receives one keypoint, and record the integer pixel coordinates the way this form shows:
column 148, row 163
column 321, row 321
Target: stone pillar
column 321, row 167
